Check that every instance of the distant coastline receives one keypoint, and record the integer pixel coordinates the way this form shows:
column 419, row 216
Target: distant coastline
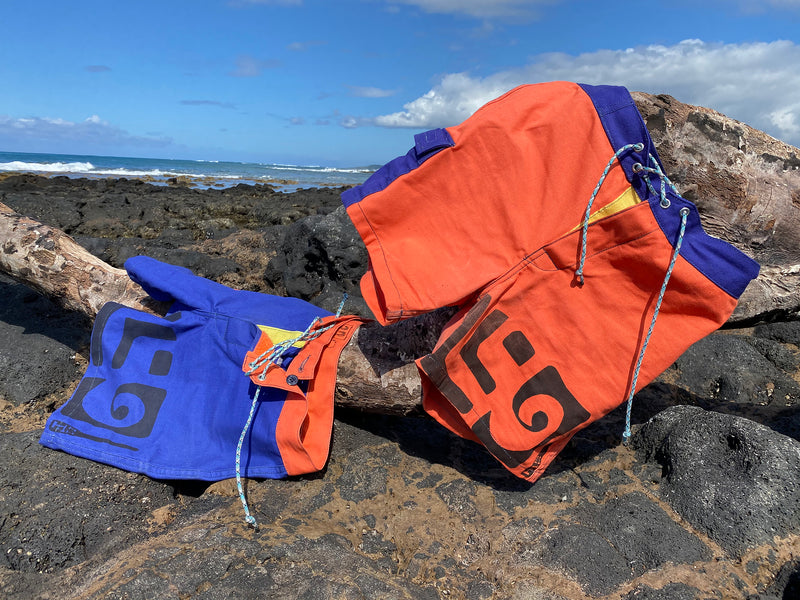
column 194, row 173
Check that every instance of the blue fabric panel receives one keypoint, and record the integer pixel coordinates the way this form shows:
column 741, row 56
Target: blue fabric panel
column 723, row 264
column 426, row 144
column 166, row 397
column 168, row 283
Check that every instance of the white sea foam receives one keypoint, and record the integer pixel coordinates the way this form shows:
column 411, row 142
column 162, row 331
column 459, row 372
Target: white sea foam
column 352, row 170
column 317, row 169
column 133, row 173
column 160, row 170
column 80, row 167
column 57, row 167
column 87, row 168
column 157, row 173
column 289, row 167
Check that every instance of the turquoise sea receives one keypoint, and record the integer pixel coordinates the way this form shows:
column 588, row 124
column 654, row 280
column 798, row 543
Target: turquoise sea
column 203, row 173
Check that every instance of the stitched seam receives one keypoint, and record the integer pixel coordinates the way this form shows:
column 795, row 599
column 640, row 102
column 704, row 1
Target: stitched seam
column 597, row 252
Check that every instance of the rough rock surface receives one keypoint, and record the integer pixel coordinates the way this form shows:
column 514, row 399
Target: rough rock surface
column 403, row 509
column 732, row 478
column 321, row 258
column 229, row 235
column 746, row 185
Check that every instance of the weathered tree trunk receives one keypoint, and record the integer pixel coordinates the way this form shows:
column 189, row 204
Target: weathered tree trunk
column 746, row 185
column 52, row 263
column 376, row 369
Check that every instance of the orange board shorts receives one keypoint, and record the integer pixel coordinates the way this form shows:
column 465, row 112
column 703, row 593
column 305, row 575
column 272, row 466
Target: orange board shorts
column 489, row 216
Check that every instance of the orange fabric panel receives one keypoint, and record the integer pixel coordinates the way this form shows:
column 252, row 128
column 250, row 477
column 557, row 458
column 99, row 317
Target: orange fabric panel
column 520, row 174
column 488, row 215
column 537, row 357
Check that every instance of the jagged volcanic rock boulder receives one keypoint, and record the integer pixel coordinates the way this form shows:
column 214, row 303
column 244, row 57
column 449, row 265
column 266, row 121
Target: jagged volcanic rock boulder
column 320, row 259
column 732, row 478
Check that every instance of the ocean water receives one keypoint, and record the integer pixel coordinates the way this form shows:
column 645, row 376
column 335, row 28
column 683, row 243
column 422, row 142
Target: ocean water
column 202, row 173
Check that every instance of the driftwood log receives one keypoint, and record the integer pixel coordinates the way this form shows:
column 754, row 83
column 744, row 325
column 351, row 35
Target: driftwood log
column 376, row 369
column 745, row 183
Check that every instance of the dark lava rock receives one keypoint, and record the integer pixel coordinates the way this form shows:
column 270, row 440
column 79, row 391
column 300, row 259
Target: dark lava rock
column 364, row 476
column 641, row 531
column 133, row 208
column 347, row 574
column 730, row 369
column 671, row 591
column 787, row 332
column 587, row 556
column 116, row 252
column 459, row 495
column 618, row 541
column 785, row 585
column 321, row 258
column 40, row 340
column 98, row 510
column 732, row 478
column 119, row 218
column 776, row 352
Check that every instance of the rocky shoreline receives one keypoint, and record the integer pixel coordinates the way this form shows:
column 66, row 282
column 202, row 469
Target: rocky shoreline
column 704, row 502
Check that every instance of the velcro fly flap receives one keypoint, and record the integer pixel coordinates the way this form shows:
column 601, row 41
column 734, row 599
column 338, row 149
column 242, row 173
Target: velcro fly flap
column 305, row 365
column 428, row 143
column 303, row 429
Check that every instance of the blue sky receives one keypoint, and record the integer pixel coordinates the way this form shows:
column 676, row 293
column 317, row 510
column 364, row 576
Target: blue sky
column 348, row 82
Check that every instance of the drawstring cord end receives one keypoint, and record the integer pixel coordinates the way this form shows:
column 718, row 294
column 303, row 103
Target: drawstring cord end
column 684, row 212
column 272, row 356
column 247, row 516
column 644, row 172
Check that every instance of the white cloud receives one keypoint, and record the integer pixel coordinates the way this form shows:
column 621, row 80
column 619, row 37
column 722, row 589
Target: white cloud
column 451, row 101
column 249, row 66
column 787, row 119
column 757, row 83
column 29, row 132
column 351, row 122
column 370, row 92
column 484, row 9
